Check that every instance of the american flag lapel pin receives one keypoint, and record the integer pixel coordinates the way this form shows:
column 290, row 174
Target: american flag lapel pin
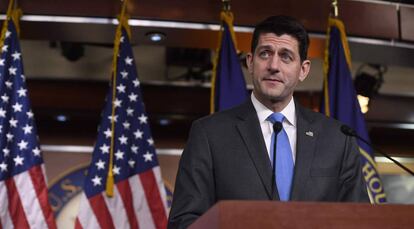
column 309, row 133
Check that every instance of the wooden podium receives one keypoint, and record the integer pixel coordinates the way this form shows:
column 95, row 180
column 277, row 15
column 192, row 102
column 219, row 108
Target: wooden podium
column 266, row 214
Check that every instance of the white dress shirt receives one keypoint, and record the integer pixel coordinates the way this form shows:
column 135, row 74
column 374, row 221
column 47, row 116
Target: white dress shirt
column 289, row 123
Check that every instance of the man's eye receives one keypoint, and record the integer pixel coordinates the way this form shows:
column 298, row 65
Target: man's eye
column 286, row 57
column 264, row 54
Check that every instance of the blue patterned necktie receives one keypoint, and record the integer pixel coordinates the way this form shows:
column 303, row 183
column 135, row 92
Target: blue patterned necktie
column 284, row 160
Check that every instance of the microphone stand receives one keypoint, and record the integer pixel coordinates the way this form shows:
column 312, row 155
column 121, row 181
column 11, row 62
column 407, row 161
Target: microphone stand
column 349, row 131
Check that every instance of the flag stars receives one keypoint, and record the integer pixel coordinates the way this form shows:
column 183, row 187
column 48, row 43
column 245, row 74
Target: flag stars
column 113, row 118
column 124, row 74
column 108, row 133
column 100, row 164
column 126, row 125
column 123, row 140
column 9, row 84
column 131, row 163
column 2, row 112
column 8, row 33
column 97, row 181
column 128, row 60
column 116, row 169
column 130, row 112
column 36, row 152
column 138, row 134
column 16, row 55
column 122, row 39
column 136, row 82
column 134, row 149
column 18, row 160
column 17, row 107
column 121, row 88
column 132, row 97
column 22, row 92
column 2, row 62
column 117, row 103
column 9, row 137
column 3, row 167
column 22, row 145
column 119, row 155
column 4, row 48
column 13, row 122
column 6, row 152
column 150, row 141
column 12, row 70
column 27, row 129
column 29, row 114
column 104, row 148
column 148, row 156
column 143, row 119
column 5, row 98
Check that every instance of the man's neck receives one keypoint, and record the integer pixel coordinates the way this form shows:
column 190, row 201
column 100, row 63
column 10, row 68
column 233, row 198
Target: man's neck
column 274, row 105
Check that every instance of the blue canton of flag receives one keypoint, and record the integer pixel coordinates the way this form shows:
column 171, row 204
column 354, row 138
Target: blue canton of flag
column 139, row 195
column 20, row 149
column 23, row 190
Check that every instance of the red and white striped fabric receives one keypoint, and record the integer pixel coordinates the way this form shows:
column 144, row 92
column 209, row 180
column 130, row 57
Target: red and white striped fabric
column 24, row 201
column 136, row 204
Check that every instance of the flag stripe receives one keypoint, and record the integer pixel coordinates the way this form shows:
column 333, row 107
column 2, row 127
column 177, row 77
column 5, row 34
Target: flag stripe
column 86, row 217
column 126, row 195
column 39, row 185
column 15, row 206
column 141, row 207
column 161, row 187
column 29, row 200
column 154, row 198
column 77, row 224
column 116, row 209
column 5, row 219
column 101, row 212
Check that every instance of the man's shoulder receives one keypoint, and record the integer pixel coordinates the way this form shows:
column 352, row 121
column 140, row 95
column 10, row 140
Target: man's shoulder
column 319, row 118
column 226, row 117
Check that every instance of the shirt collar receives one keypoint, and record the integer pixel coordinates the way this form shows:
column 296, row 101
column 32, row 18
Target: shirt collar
column 263, row 112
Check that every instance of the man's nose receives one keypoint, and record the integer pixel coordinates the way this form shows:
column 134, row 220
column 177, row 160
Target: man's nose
column 273, row 64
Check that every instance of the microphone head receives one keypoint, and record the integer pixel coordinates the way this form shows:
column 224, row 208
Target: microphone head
column 348, row 130
column 277, row 127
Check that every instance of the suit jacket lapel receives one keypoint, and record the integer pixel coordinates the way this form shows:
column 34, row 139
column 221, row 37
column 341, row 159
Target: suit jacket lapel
column 251, row 133
column 306, row 139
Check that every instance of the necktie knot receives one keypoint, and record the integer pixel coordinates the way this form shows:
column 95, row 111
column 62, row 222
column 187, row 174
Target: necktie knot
column 276, row 117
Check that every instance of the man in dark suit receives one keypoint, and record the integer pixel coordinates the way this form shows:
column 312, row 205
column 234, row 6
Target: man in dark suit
column 228, row 155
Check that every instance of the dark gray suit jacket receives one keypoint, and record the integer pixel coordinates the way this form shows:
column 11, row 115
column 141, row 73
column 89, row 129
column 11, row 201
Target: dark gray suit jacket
column 226, row 159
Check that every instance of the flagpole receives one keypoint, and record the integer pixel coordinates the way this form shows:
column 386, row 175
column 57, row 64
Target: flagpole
column 110, row 177
column 4, row 29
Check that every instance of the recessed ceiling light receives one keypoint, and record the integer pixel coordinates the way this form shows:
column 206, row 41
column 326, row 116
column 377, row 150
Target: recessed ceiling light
column 156, row 36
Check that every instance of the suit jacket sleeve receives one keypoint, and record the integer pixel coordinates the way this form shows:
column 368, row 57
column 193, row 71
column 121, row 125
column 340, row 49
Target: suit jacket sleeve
column 194, row 190
column 353, row 187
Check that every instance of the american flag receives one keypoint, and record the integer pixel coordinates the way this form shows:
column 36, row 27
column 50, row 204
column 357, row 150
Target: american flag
column 139, row 199
column 23, row 190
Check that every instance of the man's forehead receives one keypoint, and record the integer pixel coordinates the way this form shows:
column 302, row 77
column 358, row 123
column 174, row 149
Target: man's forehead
column 266, row 39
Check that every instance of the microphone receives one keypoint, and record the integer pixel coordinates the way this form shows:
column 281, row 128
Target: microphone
column 277, row 127
column 350, row 132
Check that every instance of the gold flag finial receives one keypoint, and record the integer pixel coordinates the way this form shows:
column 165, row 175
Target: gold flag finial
column 335, row 8
column 226, row 5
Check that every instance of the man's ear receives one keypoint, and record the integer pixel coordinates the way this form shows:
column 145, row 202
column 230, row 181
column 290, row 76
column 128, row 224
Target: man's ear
column 249, row 62
column 304, row 70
